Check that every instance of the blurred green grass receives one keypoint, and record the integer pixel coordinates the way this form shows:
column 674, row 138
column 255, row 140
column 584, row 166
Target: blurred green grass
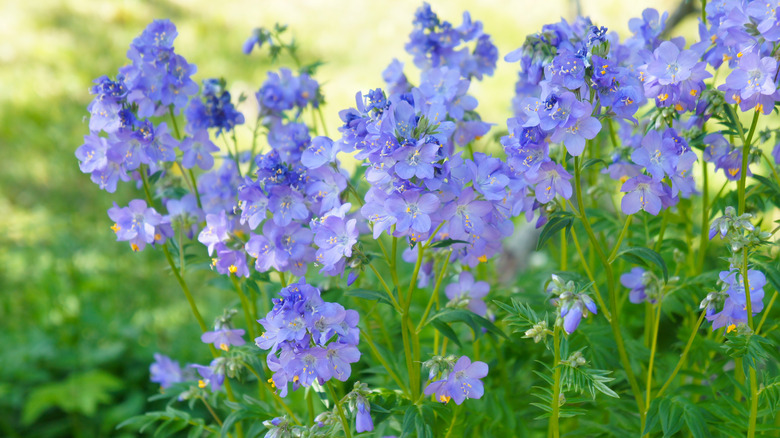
column 78, row 307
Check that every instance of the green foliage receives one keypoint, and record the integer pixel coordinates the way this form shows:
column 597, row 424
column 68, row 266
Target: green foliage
column 80, row 393
column 643, row 256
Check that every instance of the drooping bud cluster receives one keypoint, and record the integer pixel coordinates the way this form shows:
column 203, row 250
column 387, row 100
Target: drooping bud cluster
column 573, row 302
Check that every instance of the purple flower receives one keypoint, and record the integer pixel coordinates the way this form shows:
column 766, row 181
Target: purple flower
column 339, row 357
column 213, row 375
column 466, row 214
column 412, row 211
column 197, row 151
column 574, row 136
column 670, row 65
column 573, row 310
column 335, row 238
column 215, row 232
column 185, row 213
column 636, row 281
column 468, row 291
column 139, row 225
column 550, row 179
column 461, row 383
column 416, row 161
column 642, row 193
column 286, row 204
column 165, row 371
column 363, row 422
column 223, row 338
column 319, row 152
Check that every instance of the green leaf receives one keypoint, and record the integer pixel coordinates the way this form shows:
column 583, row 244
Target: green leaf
column 447, row 331
column 473, row 320
column 593, row 162
column 446, row 242
column 641, row 255
column 555, row 224
column 369, row 295
column 671, row 414
column 79, row 393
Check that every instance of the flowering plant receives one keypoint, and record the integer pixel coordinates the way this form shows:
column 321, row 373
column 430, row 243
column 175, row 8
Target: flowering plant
column 329, row 266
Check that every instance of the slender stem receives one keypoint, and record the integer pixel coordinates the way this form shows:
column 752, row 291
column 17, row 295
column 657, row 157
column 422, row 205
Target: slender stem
column 266, row 386
column 375, row 352
column 654, row 344
column 771, row 166
column 452, row 422
column 745, row 156
column 186, row 290
column 612, row 292
column 766, row 312
column 340, row 410
column 592, row 279
column 250, row 323
column 683, row 356
column 211, row 411
column 322, row 119
column 704, row 216
column 434, row 295
column 387, row 289
column 664, row 223
column 555, row 403
column 310, row 406
column 195, row 187
column 282, row 280
column 613, row 255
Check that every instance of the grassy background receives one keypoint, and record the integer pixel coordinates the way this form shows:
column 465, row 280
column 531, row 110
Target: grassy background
column 82, row 315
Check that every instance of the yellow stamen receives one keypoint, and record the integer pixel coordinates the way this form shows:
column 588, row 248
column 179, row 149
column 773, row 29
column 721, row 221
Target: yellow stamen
column 233, row 269
column 116, row 228
column 444, row 398
column 730, row 328
column 482, row 258
column 223, row 346
column 134, row 247
column 201, row 384
column 271, row 381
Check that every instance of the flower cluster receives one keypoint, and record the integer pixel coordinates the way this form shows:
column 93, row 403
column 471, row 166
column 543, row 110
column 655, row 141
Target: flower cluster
column 422, row 187
column 310, row 340
column 156, row 82
column 734, row 310
column 460, row 380
column 213, row 110
column 435, row 42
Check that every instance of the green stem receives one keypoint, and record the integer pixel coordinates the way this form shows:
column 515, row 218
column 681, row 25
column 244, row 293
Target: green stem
column 683, row 356
column 277, row 399
column 589, row 273
column 613, row 255
column 611, row 290
column 766, row 312
column 387, row 289
column 406, row 326
column 771, row 166
column 250, row 323
column 375, row 352
column 340, row 410
column 186, row 290
column 310, row 406
column 211, row 411
column 434, row 295
column 752, row 372
column 282, row 280
column 452, row 422
column 664, row 223
column 704, row 216
column 745, row 156
column 654, row 344
column 555, row 403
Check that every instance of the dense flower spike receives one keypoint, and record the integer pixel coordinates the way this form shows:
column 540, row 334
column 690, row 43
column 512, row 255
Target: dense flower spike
column 310, row 340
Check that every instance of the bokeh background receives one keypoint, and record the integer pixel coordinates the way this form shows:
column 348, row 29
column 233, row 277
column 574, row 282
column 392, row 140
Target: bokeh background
column 81, row 315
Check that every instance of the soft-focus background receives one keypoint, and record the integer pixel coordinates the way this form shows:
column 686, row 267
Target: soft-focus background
column 81, row 315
